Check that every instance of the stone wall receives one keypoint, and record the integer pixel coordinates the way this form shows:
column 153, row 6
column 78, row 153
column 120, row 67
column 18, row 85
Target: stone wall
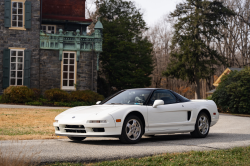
column 28, row 39
column 50, row 70
column 45, row 64
column 84, row 71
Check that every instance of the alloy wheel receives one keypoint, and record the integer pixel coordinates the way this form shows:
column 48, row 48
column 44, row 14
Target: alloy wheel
column 133, row 129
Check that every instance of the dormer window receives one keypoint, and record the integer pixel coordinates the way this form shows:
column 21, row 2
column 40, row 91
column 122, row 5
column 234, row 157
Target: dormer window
column 51, row 29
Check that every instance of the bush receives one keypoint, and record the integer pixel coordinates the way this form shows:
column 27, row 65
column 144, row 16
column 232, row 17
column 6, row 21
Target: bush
column 233, row 93
column 34, row 103
column 37, row 93
column 57, row 95
column 71, row 104
column 86, row 96
column 22, row 94
column 209, row 98
column 17, row 94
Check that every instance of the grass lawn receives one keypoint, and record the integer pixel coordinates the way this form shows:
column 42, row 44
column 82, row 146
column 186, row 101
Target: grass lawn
column 235, row 156
column 23, row 124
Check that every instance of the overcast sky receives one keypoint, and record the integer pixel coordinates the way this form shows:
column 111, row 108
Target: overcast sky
column 154, row 10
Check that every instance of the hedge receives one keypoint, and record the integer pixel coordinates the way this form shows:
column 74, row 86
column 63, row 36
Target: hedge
column 22, row 94
column 233, row 92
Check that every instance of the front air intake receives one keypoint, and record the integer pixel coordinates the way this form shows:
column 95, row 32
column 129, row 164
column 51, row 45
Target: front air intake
column 75, row 131
column 98, row 129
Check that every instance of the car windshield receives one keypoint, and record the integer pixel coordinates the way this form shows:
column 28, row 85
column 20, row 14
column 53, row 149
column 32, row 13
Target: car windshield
column 130, row 97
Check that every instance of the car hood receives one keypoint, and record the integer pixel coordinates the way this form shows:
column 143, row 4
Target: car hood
column 83, row 111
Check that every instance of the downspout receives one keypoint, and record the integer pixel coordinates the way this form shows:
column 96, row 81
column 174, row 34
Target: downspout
column 41, row 11
column 92, row 60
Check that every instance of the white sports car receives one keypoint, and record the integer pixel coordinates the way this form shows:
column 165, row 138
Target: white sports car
column 131, row 113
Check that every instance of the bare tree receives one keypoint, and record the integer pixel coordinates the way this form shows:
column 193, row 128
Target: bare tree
column 235, row 45
column 160, row 36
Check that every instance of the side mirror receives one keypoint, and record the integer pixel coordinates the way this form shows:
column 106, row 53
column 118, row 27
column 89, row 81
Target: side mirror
column 157, row 103
column 98, row 102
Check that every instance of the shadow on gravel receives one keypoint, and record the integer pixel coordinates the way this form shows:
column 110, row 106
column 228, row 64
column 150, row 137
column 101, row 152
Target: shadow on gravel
column 179, row 139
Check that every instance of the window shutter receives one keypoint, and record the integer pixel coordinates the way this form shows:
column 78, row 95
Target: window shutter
column 7, row 13
column 6, row 68
column 27, row 59
column 27, row 15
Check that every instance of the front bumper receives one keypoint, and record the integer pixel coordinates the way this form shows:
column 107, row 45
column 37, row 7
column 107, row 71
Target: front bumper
column 81, row 128
column 88, row 131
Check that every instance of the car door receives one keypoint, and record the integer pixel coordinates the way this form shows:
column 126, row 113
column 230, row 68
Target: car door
column 169, row 116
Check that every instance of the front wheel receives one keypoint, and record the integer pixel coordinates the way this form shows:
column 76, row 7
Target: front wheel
column 131, row 130
column 76, row 138
column 202, row 126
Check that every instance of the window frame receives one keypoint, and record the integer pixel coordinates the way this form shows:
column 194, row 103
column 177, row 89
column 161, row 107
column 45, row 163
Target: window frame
column 47, row 28
column 16, row 49
column 23, row 27
column 71, row 88
column 176, row 99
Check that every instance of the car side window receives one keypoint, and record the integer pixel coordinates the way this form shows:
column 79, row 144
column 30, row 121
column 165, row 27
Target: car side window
column 164, row 95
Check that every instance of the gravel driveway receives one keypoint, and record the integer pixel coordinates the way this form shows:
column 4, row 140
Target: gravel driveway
column 230, row 131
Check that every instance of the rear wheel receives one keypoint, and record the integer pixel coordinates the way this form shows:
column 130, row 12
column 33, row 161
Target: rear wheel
column 131, row 130
column 202, row 126
column 76, row 138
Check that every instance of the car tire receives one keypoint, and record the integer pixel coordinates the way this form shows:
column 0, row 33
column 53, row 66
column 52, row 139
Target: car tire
column 76, row 138
column 202, row 126
column 132, row 130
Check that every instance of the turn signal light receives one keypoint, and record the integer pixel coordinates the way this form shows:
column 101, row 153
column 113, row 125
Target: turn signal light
column 214, row 113
column 118, row 120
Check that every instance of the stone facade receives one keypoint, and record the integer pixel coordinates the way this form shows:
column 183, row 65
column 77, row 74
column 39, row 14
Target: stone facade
column 84, row 71
column 28, row 39
column 45, row 72
column 50, row 70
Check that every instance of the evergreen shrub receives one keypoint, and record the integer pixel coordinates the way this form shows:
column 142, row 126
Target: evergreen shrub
column 37, row 93
column 57, row 95
column 87, row 96
column 37, row 103
column 209, row 98
column 233, row 92
column 71, row 104
column 17, row 94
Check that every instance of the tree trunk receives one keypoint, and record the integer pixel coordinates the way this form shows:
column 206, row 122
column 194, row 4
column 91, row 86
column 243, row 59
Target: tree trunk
column 197, row 89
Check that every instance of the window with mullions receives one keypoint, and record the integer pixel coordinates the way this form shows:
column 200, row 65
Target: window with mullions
column 68, row 70
column 17, row 14
column 49, row 29
column 16, row 67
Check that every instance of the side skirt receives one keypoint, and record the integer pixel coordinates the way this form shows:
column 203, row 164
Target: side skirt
column 67, row 135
